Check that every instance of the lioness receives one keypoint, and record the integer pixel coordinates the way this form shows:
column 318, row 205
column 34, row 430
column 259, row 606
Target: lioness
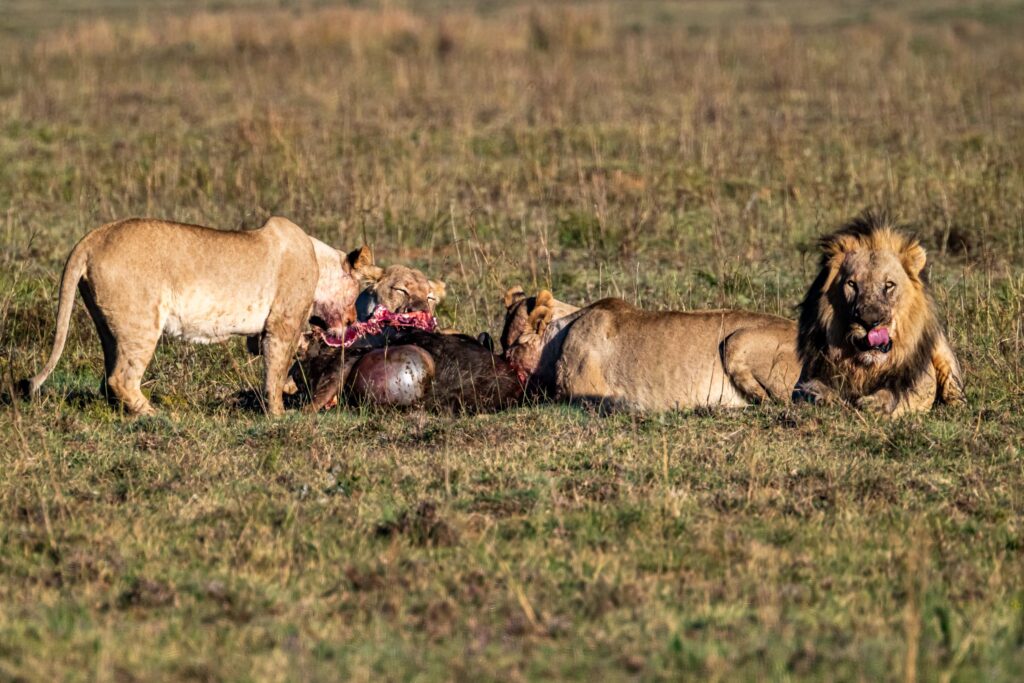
column 621, row 357
column 397, row 288
column 868, row 331
column 323, row 366
column 142, row 278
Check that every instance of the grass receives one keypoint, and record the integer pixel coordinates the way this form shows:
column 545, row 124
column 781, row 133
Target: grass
column 680, row 155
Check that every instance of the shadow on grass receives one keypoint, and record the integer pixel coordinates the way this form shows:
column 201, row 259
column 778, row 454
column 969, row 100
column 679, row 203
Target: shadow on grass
column 77, row 398
column 252, row 401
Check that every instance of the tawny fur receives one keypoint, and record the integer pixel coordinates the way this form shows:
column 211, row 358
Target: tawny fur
column 143, row 278
column 620, row 357
column 869, row 263
column 398, row 288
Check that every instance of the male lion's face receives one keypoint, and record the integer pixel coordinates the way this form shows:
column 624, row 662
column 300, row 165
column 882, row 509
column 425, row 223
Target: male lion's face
column 870, row 292
column 397, row 288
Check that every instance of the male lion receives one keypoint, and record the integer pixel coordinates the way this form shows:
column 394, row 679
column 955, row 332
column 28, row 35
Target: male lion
column 621, row 357
column 868, row 332
column 142, row 278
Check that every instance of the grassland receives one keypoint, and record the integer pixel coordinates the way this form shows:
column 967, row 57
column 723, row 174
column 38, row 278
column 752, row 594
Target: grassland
column 678, row 154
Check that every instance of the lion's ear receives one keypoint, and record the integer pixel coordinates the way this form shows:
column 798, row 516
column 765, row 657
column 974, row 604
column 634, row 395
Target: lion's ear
column 513, row 296
column 539, row 318
column 360, row 263
column 913, row 257
column 439, row 289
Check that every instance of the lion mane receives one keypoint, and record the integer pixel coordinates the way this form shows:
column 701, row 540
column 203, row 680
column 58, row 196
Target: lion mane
column 824, row 344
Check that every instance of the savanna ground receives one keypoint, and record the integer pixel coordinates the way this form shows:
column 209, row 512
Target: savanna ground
column 679, row 155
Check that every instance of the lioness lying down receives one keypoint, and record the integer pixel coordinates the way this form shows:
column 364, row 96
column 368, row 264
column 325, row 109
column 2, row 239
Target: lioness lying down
column 620, row 357
column 142, row 278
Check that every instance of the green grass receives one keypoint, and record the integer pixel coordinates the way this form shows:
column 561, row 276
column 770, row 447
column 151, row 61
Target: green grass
column 680, row 155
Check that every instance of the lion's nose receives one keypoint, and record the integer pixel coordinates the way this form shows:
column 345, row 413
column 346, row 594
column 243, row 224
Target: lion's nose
column 871, row 319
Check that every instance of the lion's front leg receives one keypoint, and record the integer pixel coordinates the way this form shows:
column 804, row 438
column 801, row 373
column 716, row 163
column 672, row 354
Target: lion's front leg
column 278, row 351
column 947, row 374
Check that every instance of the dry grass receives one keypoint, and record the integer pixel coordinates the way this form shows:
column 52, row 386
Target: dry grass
column 677, row 154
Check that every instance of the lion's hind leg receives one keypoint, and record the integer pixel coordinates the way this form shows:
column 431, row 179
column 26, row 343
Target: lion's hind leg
column 128, row 347
column 124, row 377
column 762, row 362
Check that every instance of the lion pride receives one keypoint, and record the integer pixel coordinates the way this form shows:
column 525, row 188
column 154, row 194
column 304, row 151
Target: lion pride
column 868, row 331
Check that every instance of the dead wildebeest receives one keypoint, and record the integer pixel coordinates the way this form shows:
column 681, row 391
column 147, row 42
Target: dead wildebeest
column 411, row 367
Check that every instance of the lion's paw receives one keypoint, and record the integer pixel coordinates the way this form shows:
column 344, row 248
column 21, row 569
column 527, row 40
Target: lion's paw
column 878, row 403
column 815, row 392
column 952, row 394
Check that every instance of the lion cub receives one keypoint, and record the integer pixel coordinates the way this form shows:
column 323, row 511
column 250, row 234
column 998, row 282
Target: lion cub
column 143, row 278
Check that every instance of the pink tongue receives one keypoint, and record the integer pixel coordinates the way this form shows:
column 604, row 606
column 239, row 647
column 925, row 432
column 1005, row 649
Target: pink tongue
column 878, row 336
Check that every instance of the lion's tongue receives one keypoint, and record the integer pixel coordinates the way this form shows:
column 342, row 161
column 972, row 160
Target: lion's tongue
column 878, row 336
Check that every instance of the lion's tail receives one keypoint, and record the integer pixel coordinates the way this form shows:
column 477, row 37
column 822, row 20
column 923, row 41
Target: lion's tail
column 74, row 269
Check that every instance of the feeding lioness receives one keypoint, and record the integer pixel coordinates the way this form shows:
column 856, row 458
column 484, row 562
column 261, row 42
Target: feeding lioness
column 621, row 357
column 869, row 334
column 323, row 366
column 143, row 278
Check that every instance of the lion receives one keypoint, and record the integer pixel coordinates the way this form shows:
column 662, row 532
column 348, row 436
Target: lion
column 621, row 357
column 397, row 288
column 143, row 278
column 323, row 367
column 868, row 331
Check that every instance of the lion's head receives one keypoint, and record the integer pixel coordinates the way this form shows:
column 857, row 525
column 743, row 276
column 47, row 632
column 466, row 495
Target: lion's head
column 867, row 317
column 397, row 288
column 527, row 329
column 525, row 321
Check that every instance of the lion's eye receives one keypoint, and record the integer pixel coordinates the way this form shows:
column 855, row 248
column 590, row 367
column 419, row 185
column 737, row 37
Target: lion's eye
column 889, row 286
column 851, row 285
column 402, row 290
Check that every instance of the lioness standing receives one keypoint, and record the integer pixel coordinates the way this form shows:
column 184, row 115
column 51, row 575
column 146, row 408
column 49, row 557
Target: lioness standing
column 142, row 278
